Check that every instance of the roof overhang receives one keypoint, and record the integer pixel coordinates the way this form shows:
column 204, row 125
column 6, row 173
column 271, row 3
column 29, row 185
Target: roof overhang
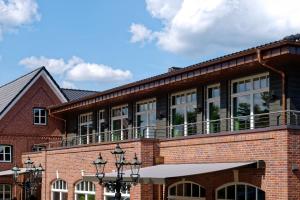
column 158, row 174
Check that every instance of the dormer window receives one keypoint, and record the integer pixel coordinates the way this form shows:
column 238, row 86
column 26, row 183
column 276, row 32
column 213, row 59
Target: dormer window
column 39, row 116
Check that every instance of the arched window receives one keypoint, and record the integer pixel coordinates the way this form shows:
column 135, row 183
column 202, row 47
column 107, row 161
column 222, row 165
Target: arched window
column 186, row 190
column 238, row 191
column 59, row 190
column 110, row 195
column 85, row 190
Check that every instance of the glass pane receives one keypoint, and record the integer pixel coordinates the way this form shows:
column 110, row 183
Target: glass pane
column 263, row 82
column 260, row 195
column 116, row 134
column 43, row 112
column 178, row 121
column 43, row 120
column 125, row 128
column 35, row 112
column 203, row 192
column 7, row 149
column 90, row 197
column 56, row 195
column 261, row 106
column 214, row 116
column 256, row 84
column 125, row 110
column 80, row 196
column 251, row 193
column 180, row 190
column 221, row 194
column 173, row 191
column 83, row 132
column 248, row 85
column 187, row 189
column 231, row 192
column 191, row 120
column 234, row 88
column 241, row 192
column 241, row 107
column 7, row 157
column 195, row 190
column 64, row 196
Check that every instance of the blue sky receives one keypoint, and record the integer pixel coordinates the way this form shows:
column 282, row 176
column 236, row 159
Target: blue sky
column 97, row 45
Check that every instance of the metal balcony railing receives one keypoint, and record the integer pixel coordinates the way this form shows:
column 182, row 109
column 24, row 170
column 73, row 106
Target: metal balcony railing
column 232, row 124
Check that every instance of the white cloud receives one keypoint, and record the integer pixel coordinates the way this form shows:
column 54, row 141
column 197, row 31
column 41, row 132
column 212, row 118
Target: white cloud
column 76, row 69
column 193, row 27
column 16, row 13
column 140, row 33
column 69, row 85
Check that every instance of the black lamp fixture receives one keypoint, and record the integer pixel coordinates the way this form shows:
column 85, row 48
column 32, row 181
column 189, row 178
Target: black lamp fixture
column 118, row 184
column 32, row 175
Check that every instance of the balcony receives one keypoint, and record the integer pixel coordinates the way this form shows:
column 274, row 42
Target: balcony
column 258, row 122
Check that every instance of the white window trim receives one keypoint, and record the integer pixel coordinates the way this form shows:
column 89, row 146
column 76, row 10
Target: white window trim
column 184, row 105
column 61, row 191
column 4, row 152
column 250, row 92
column 121, row 117
column 147, row 112
column 40, row 116
column 88, row 123
column 2, row 193
column 236, row 183
column 86, row 192
column 183, row 197
column 216, row 100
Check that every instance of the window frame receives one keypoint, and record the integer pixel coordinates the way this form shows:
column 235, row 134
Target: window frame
column 88, row 123
column 4, row 153
column 250, row 92
column 119, row 117
column 85, row 192
column 184, row 105
column 235, row 185
column 216, row 100
column 147, row 112
column 39, row 109
column 101, row 120
column 59, row 190
column 3, row 192
column 185, row 197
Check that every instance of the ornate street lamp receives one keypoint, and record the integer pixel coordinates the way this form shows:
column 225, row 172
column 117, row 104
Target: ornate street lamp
column 120, row 161
column 33, row 174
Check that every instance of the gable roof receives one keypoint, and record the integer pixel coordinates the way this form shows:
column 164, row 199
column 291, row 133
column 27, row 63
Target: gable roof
column 74, row 94
column 11, row 92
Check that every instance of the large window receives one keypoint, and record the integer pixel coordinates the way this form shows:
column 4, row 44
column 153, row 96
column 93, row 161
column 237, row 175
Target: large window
column 213, row 108
column 110, row 195
column 85, row 190
column 59, row 190
column 146, row 118
column 186, row 190
column 85, row 128
column 101, row 126
column 183, row 113
column 39, row 116
column 5, row 192
column 239, row 191
column 119, row 120
column 250, row 102
column 5, row 153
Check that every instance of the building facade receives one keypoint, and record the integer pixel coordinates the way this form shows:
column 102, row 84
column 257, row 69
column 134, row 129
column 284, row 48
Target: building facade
column 240, row 110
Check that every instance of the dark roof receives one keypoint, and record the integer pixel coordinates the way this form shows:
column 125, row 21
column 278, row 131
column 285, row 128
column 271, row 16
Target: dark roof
column 290, row 40
column 12, row 90
column 74, row 94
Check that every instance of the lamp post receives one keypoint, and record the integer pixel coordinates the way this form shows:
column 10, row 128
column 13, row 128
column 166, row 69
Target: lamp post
column 33, row 173
column 120, row 162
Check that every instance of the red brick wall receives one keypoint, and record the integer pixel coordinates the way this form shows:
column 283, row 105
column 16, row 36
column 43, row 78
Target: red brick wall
column 17, row 129
column 273, row 147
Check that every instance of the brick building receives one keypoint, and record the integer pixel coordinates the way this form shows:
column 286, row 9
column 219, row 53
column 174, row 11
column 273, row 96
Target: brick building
column 230, row 127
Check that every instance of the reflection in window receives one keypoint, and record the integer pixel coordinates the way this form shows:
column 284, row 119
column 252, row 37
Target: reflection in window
column 110, row 195
column 250, row 103
column 85, row 190
column 183, row 113
column 186, row 190
column 146, row 118
column 240, row 191
column 85, row 128
column 119, row 123
column 213, row 109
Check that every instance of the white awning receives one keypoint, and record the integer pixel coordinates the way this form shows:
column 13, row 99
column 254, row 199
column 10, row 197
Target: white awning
column 159, row 173
column 10, row 172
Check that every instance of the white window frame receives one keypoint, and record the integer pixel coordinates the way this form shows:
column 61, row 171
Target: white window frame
column 60, row 190
column 40, row 116
column 235, row 184
column 5, row 153
column 147, row 112
column 112, row 194
column 184, row 197
column 120, row 117
column 216, row 100
column 184, row 106
column 86, row 191
column 100, row 122
column 251, row 93
column 3, row 192
column 88, row 123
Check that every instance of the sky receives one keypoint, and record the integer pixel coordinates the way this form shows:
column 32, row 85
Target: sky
column 100, row 44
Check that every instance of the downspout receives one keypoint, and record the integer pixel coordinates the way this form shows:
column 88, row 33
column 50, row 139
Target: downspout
column 283, row 83
column 65, row 122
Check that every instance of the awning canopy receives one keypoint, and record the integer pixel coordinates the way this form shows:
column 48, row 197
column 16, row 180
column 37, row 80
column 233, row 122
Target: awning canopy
column 159, row 173
column 10, row 172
